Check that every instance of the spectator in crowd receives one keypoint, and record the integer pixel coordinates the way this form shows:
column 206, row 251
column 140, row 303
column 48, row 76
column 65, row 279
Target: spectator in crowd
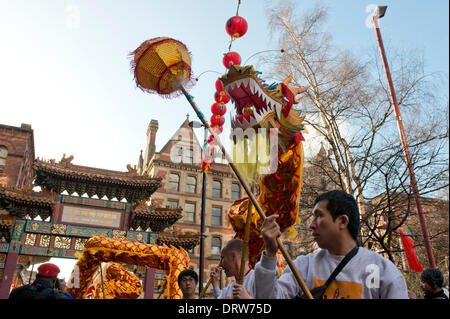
column 187, row 281
column 432, row 282
column 42, row 288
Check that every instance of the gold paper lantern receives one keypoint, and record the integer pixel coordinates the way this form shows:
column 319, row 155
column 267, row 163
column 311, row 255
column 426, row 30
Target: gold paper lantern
column 161, row 65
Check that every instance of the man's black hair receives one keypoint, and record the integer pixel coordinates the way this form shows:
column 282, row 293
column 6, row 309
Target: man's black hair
column 188, row 272
column 433, row 277
column 341, row 203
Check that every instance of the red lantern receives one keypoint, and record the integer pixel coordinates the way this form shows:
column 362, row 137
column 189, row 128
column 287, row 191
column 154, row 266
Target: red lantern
column 217, row 129
column 218, row 109
column 219, row 86
column 221, row 97
column 217, row 120
column 231, row 58
column 236, row 26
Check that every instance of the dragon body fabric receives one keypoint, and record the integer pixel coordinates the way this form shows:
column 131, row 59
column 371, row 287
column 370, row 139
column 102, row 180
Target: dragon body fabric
column 118, row 283
column 101, row 249
column 271, row 108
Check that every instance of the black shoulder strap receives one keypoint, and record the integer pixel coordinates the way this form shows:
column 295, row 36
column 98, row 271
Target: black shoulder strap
column 341, row 265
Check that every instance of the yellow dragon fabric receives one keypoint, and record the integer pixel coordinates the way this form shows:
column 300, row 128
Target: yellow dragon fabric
column 102, row 249
column 118, row 283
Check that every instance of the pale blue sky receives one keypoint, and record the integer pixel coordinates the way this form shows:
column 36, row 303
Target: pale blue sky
column 73, row 83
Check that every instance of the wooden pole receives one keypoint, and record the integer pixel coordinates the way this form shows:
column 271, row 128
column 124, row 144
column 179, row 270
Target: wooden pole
column 249, row 193
column 163, row 288
column 101, row 278
column 244, row 254
column 409, row 164
column 245, row 245
column 206, row 288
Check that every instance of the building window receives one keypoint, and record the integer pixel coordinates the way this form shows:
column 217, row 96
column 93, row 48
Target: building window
column 174, row 182
column 235, row 191
column 216, row 244
column 178, row 156
column 172, row 203
column 191, row 184
column 189, row 212
column 217, row 189
column 216, row 216
column 3, row 156
column 189, row 156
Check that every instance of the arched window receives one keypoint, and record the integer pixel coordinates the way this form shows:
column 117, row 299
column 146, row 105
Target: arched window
column 216, row 246
column 190, row 156
column 174, row 182
column 3, row 156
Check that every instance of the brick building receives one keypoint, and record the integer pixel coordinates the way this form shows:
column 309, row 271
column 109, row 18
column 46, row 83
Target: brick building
column 16, row 155
column 16, row 161
column 74, row 204
column 178, row 163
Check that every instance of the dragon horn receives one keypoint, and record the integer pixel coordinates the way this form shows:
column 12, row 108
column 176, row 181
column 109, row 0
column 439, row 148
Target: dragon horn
column 288, row 80
column 298, row 90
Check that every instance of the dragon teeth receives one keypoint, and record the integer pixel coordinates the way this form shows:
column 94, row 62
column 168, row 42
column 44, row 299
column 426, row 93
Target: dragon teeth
column 252, row 87
column 246, row 82
column 278, row 109
column 257, row 116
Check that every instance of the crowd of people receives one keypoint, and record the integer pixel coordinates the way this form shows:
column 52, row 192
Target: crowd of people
column 339, row 270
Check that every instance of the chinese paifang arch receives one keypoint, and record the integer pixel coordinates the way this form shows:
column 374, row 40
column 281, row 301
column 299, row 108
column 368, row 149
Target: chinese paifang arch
column 102, row 249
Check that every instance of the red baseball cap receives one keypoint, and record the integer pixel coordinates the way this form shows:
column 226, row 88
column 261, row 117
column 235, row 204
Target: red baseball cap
column 48, row 270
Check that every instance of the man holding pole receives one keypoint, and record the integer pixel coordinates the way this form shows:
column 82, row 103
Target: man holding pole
column 231, row 261
column 340, row 269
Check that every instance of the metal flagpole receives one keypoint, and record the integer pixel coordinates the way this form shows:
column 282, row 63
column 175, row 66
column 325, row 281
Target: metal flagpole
column 379, row 14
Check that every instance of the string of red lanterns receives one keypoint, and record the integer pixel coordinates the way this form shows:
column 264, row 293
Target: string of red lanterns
column 236, row 27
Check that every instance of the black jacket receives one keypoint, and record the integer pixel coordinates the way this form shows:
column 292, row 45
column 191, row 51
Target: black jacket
column 439, row 295
column 39, row 289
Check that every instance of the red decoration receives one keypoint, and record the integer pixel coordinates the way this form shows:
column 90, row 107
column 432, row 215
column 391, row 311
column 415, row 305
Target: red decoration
column 236, row 26
column 221, row 97
column 217, row 129
column 231, row 58
column 217, row 120
column 218, row 109
column 408, row 246
column 219, row 86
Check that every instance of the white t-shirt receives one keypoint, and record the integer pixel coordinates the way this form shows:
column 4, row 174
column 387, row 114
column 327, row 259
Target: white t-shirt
column 227, row 292
column 367, row 275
